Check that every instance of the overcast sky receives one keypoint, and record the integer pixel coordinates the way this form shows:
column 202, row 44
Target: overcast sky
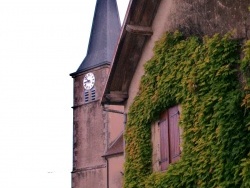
column 41, row 42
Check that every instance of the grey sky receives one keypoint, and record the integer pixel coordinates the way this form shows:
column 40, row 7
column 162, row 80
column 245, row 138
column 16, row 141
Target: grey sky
column 41, row 42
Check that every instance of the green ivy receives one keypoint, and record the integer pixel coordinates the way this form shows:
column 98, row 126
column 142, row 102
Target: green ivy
column 212, row 84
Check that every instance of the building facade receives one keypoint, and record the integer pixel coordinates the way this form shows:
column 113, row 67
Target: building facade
column 107, row 89
column 146, row 23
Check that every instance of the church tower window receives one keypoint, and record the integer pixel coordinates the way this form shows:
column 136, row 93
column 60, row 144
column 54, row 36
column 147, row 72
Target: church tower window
column 90, row 95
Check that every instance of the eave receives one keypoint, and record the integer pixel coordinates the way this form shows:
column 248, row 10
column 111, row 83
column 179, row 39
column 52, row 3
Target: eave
column 136, row 30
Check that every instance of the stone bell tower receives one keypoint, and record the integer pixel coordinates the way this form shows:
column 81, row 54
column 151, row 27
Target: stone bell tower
column 89, row 167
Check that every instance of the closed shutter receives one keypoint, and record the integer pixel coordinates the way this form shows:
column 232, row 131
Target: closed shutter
column 174, row 134
column 164, row 144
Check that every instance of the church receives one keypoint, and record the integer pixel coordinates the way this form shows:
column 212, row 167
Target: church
column 97, row 142
column 161, row 101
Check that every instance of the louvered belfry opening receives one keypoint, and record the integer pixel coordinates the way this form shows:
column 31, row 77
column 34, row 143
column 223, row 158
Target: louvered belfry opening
column 93, row 94
column 90, row 95
column 86, row 96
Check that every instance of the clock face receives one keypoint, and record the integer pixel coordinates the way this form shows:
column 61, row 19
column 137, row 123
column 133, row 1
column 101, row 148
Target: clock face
column 88, row 81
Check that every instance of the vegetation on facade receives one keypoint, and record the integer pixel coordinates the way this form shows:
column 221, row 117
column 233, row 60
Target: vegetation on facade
column 212, row 84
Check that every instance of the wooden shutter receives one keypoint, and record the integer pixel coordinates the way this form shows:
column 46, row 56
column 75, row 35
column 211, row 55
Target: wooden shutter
column 174, row 134
column 164, row 144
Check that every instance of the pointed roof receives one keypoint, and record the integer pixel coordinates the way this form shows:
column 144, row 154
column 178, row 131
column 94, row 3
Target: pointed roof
column 104, row 36
column 116, row 147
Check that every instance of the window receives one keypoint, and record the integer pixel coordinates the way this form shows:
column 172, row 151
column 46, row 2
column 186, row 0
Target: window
column 169, row 137
column 89, row 95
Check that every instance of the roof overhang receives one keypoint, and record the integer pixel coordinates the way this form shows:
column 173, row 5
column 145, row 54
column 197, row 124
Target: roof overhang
column 136, row 30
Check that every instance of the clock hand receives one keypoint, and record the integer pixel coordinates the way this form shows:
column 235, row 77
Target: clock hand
column 86, row 81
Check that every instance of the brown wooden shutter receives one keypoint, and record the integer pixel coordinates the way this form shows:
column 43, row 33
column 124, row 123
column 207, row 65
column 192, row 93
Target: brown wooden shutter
column 174, row 134
column 164, row 144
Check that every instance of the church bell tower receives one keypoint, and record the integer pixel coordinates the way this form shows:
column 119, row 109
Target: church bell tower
column 89, row 145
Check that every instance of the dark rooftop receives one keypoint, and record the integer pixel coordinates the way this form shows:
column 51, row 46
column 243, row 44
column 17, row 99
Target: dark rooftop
column 104, row 36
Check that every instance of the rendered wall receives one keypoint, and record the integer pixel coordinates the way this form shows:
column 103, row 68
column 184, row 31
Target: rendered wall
column 115, row 126
column 116, row 171
column 115, row 122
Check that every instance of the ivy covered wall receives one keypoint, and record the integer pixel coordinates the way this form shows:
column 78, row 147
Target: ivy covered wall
column 211, row 82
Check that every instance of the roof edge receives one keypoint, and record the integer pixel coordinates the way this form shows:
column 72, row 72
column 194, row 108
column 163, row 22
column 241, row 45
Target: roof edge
column 74, row 74
column 113, row 154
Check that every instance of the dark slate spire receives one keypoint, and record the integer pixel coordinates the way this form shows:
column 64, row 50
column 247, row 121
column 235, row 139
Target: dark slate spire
column 104, row 36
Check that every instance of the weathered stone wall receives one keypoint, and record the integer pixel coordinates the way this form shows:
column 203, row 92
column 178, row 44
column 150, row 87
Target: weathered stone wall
column 199, row 17
column 89, row 179
column 207, row 17
column 89, row 140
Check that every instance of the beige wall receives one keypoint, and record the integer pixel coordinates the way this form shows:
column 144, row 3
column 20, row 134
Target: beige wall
column 115, row 122
column 115, row 129
column 115, row 126
column 116, row 171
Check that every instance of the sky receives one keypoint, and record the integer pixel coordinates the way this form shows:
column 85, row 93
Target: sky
column 41, row 43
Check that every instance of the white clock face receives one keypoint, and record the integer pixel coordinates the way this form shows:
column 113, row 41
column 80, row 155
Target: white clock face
column 88, row 81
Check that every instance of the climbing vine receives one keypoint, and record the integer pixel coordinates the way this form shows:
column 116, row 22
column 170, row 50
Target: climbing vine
column 210, row 81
